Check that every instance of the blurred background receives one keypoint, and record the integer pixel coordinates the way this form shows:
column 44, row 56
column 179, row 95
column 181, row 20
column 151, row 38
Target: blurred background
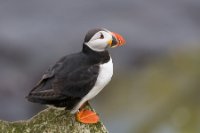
column 156, row 83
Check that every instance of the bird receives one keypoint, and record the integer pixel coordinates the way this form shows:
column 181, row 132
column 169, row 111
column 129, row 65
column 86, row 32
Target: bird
column 77, row 78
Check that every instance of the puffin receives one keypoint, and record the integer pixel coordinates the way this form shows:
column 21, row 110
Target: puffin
column 77, row 78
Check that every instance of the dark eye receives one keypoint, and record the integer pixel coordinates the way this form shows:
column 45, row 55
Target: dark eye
column 101, row 36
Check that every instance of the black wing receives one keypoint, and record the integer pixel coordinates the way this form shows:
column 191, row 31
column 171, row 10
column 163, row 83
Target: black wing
column 69, row 79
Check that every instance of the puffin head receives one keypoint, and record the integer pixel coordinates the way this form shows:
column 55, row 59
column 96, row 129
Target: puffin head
column 100, row 39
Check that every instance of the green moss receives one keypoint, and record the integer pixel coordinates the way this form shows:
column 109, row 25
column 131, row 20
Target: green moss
column 51, row 120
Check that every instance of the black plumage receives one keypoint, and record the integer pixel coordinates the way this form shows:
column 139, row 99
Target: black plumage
column 70, row 79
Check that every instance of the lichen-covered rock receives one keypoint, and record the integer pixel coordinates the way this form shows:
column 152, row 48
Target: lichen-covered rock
column 51, row 120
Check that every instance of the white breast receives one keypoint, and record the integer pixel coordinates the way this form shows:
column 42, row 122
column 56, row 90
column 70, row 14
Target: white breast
column 105, row 75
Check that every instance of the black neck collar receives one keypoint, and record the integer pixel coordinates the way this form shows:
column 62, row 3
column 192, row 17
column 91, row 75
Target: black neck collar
column 101, row 57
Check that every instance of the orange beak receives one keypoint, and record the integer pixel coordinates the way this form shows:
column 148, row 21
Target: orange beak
column 117, row 40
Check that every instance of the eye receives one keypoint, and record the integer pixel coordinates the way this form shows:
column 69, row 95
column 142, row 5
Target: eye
column 101, row 36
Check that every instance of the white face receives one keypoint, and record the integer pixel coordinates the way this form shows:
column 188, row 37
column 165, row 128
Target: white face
column 100, row 41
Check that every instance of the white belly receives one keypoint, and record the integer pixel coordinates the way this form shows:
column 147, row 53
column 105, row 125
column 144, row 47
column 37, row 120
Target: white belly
column 105, row 75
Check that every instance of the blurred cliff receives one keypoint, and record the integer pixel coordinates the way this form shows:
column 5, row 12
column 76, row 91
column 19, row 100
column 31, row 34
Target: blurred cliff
column 155, row 88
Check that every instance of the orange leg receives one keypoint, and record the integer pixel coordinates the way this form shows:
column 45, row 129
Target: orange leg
column 87, row 116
